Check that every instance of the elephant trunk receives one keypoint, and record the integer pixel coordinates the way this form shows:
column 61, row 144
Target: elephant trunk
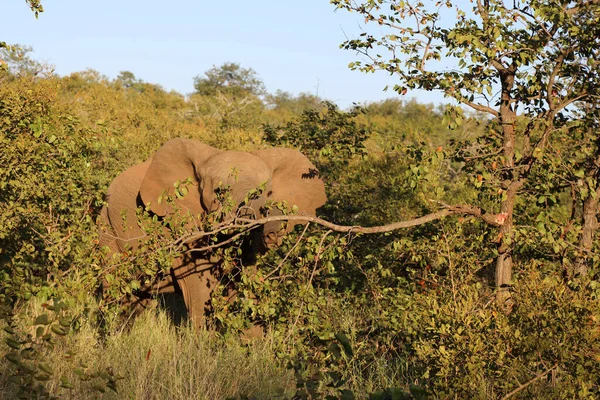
column 272, row 232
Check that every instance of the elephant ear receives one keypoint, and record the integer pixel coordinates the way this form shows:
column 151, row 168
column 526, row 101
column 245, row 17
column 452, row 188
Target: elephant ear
column 176, row 160
column 295, row 179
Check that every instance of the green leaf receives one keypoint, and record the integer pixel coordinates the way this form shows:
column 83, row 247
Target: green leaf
column 13, row 343
column 9, row 329
column 64, row 383
column 13, row 358
column 334, row 348
column 39, row 332
column 26, row 367
column 42, row 377
column 345, row 342
column 59, row 330
column 42, row 320
column 46, row 368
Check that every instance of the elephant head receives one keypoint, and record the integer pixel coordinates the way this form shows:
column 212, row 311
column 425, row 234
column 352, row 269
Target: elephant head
column 282, row 174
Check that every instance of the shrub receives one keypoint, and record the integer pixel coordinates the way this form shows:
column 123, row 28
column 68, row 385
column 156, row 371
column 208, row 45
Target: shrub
column 50, row 188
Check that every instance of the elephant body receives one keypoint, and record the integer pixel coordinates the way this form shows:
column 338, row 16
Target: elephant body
column 283, row 174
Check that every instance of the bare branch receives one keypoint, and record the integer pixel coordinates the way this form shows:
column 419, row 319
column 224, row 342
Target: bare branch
column 497, row 63
column 572, row 100
column 247, row 224
column 524, row 385
column 551, row 79
column 318, row 257
column 217, row 245
column 425, row 53
column 475, row 106
column 448, row 210
column 482, row 11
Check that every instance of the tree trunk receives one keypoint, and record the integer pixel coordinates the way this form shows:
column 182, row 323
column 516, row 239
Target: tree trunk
column 508, row 120
column 504, row 261
column 590, row 223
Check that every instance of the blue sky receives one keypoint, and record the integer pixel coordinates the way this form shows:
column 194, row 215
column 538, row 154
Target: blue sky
column 292, row 45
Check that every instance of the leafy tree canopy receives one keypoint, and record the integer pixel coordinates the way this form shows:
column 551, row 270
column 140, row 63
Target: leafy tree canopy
column 16, row 59
column 229, row 79
column 535, row 58
column 282, row 100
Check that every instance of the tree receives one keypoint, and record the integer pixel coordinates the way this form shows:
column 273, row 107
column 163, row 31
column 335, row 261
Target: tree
column 128, row 80
column 582, row 172
column 328, row 136
column 282, row 100
column 16, row 59
column 229, row 79
column 537, row 59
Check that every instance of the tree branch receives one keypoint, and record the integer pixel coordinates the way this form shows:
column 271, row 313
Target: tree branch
column 552, row 78
column 247, row 224
column 524, row 385
column 475, row 106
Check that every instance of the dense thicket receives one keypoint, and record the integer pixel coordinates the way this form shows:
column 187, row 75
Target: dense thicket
column 413, row 309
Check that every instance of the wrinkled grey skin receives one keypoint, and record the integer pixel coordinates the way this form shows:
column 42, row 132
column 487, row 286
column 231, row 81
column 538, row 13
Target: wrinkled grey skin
column 285, row 173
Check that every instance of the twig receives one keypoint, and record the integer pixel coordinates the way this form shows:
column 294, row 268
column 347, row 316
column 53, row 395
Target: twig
column 524, row 385
column 317, row 257
column 288, row 253
column 450, row 267
column 312, row 274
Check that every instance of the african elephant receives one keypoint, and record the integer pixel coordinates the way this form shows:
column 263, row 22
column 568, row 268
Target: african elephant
column 285, row 175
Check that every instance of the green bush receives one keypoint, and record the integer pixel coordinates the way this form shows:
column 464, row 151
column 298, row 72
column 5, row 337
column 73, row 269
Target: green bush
column 50, row 188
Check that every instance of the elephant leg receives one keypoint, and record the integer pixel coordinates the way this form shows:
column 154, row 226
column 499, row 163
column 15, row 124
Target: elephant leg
column 254, row 332
column 146, row 298
column 197, row 285
column 197, row 282
column 164, row 286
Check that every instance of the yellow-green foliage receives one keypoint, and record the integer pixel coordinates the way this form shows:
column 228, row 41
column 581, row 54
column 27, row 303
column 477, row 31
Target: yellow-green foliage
column 50, row 186
column 344, row 312
column 142, row 117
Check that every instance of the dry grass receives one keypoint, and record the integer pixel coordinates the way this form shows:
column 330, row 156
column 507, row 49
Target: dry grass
column 158, row 360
